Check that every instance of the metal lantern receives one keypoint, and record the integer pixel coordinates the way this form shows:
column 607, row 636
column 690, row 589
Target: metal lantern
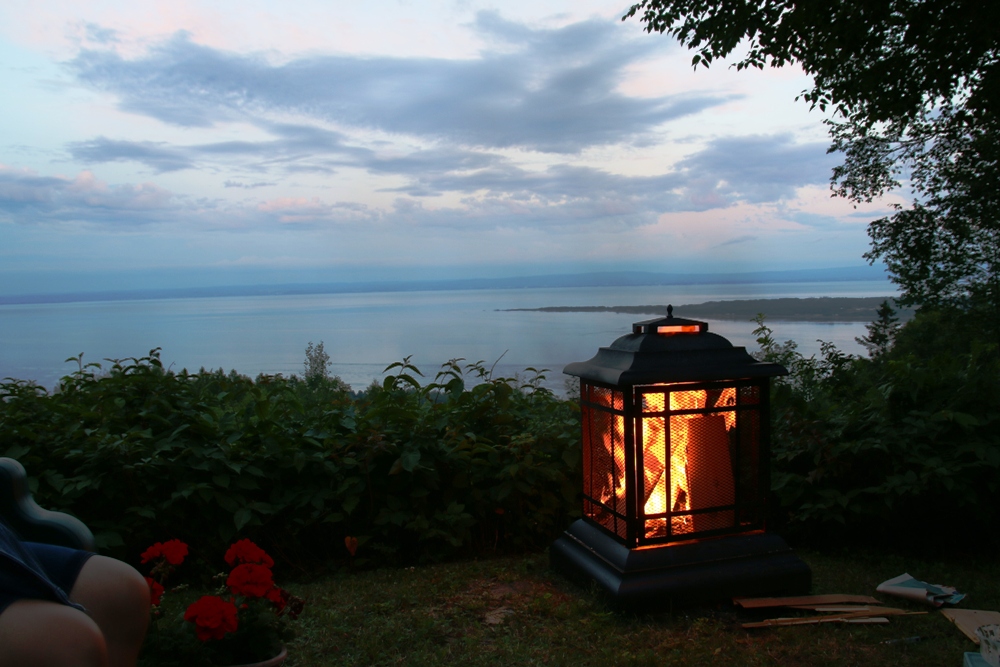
column 675, row 471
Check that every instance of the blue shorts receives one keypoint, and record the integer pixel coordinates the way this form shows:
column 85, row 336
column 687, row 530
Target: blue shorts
column 61, row 564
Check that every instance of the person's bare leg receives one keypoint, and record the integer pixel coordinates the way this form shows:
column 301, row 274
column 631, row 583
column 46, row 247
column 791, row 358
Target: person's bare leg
column 37, row 633
column 117, row 597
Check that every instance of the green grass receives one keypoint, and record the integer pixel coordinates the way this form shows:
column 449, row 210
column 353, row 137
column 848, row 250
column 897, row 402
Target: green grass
column 515, row 611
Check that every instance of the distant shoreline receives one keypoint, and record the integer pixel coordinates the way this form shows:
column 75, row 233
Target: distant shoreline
column 811, row 309
column 624, row 279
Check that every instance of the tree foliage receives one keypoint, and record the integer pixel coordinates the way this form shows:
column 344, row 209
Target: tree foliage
column 915, row 90
column 880, row 448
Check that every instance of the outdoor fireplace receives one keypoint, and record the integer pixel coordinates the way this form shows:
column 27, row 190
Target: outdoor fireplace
column 675, row 471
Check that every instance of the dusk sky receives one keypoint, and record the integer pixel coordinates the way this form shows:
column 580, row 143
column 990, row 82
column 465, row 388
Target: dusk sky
column 182, row 143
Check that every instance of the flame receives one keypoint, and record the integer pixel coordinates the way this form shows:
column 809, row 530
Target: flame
column 654, row 450
column 612, row 490
column 658, row 473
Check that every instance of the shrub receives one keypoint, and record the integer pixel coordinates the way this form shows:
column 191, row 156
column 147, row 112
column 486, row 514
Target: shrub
column 144, row 454
column 896, row 446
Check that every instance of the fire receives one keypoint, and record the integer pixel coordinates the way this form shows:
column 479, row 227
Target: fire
column 617, row 450
column 697, row 472
column 686, row 435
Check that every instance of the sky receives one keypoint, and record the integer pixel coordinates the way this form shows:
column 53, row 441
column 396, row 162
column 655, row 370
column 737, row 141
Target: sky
column 189, row 143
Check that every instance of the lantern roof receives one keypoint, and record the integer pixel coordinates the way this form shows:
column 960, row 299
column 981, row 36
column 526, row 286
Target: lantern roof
column 671, row 349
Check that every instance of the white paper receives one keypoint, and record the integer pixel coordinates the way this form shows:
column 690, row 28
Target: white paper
column 907, row 587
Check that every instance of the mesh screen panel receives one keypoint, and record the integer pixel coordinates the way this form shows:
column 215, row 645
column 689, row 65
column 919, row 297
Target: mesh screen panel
column 602, row 471
column 749, row 395
column 698, row 473
column 709, row 470
column 656, row 478
column 604, row 466
column 750, row 494
column 588, row 449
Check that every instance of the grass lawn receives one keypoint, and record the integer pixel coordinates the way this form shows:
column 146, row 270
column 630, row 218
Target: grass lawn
column 515, row 611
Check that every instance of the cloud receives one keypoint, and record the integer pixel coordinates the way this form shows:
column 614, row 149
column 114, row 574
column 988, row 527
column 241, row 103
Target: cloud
column 551, row 90
column 100, row 35
column 248, row 186
column 496, row 192
column 153, row 154
column 753, row 169
column 738, row 240
column 293, row 146
column 450, row 135
column 26, row 197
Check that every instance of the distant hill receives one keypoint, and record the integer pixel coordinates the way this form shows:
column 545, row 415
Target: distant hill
column 813, row 309
column 603, row 279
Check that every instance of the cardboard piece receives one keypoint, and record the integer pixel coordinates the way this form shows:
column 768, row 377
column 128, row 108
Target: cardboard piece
column 811, row 620
column 870, row 615
column 759, row 603
column 967, row 620
column 830, row 607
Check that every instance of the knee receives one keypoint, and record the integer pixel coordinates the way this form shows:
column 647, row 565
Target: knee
column 114, row 592
column 35, row 633
column 130, row 593
column 134, row 589
column 82, row 643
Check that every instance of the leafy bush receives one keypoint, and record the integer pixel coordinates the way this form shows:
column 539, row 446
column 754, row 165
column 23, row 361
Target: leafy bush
column 144, row 454
column 898, row 446
column 902, row 443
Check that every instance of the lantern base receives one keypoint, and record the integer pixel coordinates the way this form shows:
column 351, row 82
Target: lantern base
column 659, row 578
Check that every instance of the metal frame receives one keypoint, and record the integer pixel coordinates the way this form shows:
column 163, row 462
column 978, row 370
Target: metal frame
column 632, row 416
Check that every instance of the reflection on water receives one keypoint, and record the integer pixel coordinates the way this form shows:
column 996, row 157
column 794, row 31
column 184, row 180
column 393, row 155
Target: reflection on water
column 363, row 333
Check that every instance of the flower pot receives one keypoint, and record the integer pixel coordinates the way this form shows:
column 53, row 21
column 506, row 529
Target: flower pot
column 270, row 662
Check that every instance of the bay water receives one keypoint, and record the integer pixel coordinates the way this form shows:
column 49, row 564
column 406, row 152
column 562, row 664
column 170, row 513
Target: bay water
column 364, row 332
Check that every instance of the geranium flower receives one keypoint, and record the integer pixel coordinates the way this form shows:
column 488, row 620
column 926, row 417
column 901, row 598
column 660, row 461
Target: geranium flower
column 245, row 551
column 212, row 616
column 155, row 591
column 279, row 597
column 173, row 551
column 251, row 580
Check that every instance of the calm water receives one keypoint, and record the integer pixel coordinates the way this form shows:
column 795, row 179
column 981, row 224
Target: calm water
column 363, row 333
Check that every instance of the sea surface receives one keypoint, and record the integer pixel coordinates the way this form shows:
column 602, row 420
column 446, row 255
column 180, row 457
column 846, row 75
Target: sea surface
column 363, row 333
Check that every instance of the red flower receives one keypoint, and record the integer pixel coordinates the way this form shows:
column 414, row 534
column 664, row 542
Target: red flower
column 246, row 551
column 212, row 616
column 155, row 591
column 173, row 551
column 250, row 580
column 279, row 597
column 352, row 544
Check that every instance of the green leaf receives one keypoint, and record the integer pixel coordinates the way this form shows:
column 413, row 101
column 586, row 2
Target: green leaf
column 108, row 539
column 227, row 503
column 242, row 517
column 410, row 459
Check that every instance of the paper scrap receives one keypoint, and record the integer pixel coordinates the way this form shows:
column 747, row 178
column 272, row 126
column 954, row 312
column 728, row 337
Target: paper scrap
column 907, row 587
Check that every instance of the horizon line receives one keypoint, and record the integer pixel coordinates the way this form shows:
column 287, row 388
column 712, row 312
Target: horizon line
column 540, row 281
